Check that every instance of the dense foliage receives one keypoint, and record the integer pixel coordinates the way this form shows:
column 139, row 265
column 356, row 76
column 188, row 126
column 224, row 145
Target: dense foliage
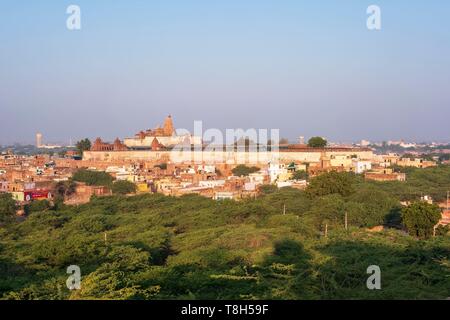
column 300, row 175
column 272, row 247
column 65, row 188
column 93, row 178
column 434, row 182
column 317, row 142
column 123, row 187
column 332, row 183
column 157, row 247
column 7, row 208
column 243, row 170
column 420, row 218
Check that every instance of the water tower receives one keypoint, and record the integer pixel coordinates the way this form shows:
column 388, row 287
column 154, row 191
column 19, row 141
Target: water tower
column 38, row 140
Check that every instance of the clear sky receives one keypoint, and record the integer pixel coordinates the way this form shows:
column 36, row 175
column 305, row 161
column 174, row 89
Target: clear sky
column 305, row 67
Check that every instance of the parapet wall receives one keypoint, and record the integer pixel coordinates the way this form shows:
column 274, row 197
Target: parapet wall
column 231, row 157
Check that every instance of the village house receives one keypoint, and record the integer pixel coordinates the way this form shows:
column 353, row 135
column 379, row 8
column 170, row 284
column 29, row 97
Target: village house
column 361, row 166
column 83, row 193
column 416, row 163
column 384, row 174
column 387, row 160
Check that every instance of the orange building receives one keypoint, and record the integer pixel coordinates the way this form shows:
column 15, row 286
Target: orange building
column 99, row 145
column 166, row 131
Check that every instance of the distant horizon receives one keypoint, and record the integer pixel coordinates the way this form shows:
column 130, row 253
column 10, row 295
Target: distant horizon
column 308, row 69
column 62, row 143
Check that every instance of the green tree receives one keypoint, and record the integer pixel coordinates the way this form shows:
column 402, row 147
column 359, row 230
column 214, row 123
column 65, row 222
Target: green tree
column 300, row 175
column 243, row 170
column 317, row 142
column 372, row 207
column 162, row 166
column 37, row 206
column 268, row 188
column 64, row 188
column 123, row 187
column 442, row 230
column 93, row 178
column 83, row 145
column 329, row 209
column 420, row 218
column 330, row 183
column 7, row 208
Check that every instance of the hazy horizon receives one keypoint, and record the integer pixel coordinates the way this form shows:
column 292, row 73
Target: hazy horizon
column 304, row 68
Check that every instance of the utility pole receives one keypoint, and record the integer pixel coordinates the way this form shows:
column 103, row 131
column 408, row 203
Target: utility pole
column 284, row 209
column 106, row 239
column 326, row 230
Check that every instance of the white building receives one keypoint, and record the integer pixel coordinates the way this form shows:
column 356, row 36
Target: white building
column 223, row 196
column 211, row 183
column 206, row 168
column 275, row 170
column 250, row 186
column 257, row 177
column 361, row 166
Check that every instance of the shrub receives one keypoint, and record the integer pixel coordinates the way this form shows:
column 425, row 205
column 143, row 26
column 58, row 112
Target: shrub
column 123, row 187
column 93, row 178
column 243, row 170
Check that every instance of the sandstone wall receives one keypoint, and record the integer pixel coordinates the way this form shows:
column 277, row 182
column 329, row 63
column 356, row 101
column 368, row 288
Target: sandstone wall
column 221, row 156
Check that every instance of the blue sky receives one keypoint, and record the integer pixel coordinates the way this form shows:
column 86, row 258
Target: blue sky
column 305, row 67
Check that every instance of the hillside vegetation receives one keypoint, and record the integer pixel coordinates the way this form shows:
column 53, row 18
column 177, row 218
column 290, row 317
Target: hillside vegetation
column 273, row 247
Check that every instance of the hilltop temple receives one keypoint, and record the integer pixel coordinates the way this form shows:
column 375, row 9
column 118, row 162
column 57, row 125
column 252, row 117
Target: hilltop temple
column 166, row 131
column 160, row 137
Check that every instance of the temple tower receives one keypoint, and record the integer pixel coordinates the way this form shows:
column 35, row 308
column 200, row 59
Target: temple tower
column 168, row 127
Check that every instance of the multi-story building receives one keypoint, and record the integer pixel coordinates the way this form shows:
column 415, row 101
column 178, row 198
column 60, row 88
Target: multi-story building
column 416, row 163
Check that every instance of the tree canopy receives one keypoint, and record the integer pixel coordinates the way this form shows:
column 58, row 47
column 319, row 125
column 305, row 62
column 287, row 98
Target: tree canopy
column 317, row 142
column 151, row 246
column 93, row 178
column 420, row 218
column 64, row 188
column 83, row 145
column 123, row 187
column 158, row 247
column 300, row 175
column 243, row 170
column 332, row 182
column 7, row 208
